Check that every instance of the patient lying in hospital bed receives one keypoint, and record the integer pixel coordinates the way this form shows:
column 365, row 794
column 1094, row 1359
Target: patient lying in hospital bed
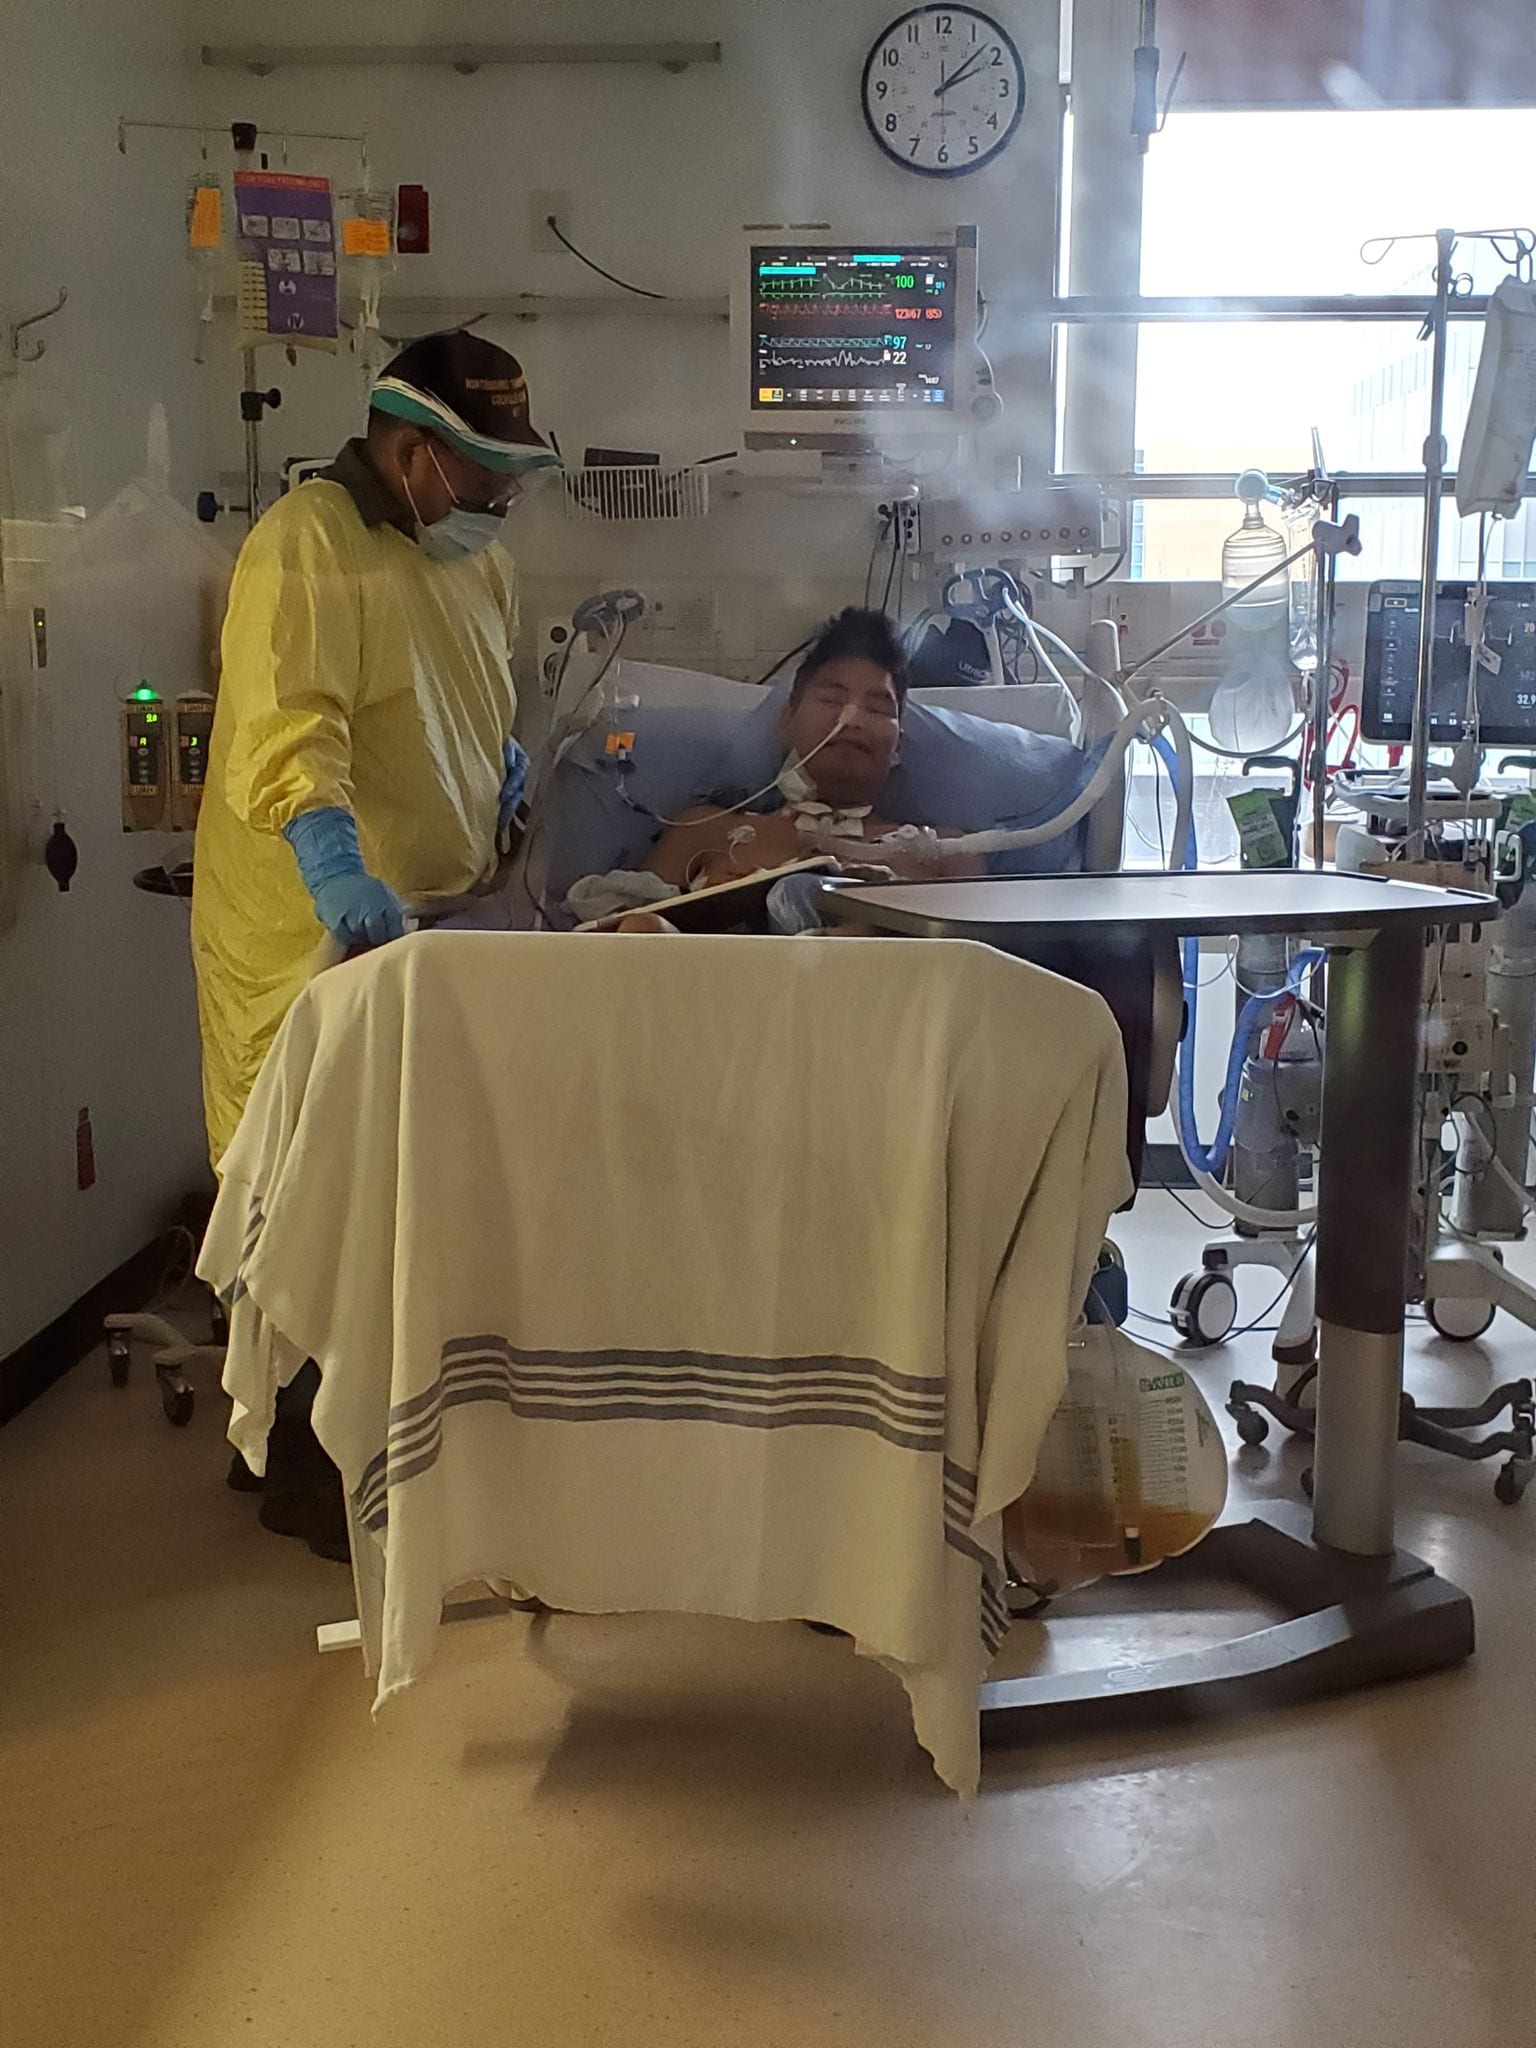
column 841, row 730
column 968, row 761
column 842, row 734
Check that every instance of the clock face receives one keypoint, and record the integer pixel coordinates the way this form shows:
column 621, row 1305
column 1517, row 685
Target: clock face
column 943, row 90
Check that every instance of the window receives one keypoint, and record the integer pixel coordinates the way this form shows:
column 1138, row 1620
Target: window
column 1277, row 204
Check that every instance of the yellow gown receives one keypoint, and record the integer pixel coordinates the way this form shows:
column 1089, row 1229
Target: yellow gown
column 358, row 672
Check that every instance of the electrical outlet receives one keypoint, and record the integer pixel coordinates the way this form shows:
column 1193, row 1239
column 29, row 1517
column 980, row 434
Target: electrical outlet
column 541, row 238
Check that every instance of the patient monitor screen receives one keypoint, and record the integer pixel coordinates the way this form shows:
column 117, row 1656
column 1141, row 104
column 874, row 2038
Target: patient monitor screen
column 848, row 327
column 1506, row 698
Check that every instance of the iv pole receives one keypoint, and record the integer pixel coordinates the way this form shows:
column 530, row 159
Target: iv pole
column 253, row 402
column 1437, row 327
column 1436, row 330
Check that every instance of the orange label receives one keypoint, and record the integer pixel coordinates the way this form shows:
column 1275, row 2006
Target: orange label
column 205, row 223
column 364, row 237
column 621, row 743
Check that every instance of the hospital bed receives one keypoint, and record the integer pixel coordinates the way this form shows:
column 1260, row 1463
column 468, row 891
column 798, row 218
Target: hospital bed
column 971, row 759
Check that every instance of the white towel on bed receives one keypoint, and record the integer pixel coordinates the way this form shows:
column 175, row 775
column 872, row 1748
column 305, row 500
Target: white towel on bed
column 722, row 1275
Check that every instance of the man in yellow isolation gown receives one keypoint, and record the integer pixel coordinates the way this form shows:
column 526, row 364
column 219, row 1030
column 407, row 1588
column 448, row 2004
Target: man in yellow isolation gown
column 362, row 758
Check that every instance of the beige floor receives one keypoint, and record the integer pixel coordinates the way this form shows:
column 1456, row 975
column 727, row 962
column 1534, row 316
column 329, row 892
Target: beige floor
column 646, row 1832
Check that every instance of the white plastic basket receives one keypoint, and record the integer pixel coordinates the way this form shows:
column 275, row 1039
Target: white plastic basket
column 629, row 493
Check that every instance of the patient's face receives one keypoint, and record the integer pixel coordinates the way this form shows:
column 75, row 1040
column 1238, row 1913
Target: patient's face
column 852, row 765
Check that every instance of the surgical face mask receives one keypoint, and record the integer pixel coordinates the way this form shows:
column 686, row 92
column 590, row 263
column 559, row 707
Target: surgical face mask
column 460, row 533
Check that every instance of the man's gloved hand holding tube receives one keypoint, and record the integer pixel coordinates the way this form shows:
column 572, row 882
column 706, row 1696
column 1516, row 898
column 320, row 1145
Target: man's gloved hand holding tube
column 355, row 907
column 514, row 783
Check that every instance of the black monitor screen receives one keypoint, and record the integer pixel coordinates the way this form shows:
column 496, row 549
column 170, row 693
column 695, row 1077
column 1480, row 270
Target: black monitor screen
column 834, row 329
column 1506, row 700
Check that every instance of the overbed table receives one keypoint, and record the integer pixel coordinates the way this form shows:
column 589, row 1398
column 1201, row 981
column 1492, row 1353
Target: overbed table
column 1361, row 1610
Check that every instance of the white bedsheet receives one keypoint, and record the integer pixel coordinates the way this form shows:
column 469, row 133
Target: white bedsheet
column 717, row 1275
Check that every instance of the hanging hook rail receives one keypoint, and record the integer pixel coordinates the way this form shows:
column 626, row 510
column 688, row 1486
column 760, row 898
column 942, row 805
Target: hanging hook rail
column 203, row 128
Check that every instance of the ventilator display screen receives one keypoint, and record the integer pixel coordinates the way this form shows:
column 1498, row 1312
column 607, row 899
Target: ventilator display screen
column 839, row 328
column 1506, row 697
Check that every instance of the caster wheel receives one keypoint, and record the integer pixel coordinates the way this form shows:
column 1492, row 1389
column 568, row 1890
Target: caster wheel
column 119, row 1356
column 178, row 1403
column 1307, row 1482
column 1511, row 1484
column 1203, row 1308
column 1459, row 1322
column 1252, row 1427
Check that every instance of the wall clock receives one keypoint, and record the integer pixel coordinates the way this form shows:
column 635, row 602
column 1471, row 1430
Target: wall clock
column 943, row 90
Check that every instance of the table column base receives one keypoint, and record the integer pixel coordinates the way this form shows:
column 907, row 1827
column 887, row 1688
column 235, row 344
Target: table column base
column 1357, row 1621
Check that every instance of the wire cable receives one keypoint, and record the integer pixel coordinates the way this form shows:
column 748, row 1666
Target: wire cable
column 560, row 744
column 768, row 674
column 565, row 242
column 844, row 717
column 898, row 548
column 1098, row 582
column 1218, row 1223
column 1246, row 1329
column 887, row 518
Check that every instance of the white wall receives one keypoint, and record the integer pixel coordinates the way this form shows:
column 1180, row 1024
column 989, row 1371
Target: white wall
column 663, row 171
column 95, row 988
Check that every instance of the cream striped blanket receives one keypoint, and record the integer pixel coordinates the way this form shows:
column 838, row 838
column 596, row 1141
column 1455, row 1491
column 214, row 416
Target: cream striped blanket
column 727, row 1276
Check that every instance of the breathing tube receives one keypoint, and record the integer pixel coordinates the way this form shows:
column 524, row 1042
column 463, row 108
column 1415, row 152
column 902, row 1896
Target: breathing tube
column 1141, row 720
column 1210, row 1160
column 1206, row 1163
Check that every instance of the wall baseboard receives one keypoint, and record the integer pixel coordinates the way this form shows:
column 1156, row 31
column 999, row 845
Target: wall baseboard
column 33, row 1367
column 1163, row 1166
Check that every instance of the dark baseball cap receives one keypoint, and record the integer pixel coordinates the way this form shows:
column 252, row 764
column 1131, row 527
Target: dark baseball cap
column 469, row 391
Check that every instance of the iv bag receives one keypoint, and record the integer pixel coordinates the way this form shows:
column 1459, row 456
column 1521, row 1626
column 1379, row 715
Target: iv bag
column 1255, row 704
column 1501, row 424
column 367, row 239
column 205, row 243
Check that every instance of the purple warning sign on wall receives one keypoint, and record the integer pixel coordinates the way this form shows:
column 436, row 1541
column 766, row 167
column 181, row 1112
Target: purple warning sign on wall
column 284, row 225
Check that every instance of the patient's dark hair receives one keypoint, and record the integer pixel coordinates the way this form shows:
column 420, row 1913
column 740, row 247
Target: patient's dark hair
column 859, row 635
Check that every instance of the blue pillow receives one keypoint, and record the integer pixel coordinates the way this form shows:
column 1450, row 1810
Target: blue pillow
column 957, row 771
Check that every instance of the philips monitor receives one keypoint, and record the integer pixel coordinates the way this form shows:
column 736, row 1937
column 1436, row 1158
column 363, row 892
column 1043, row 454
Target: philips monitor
column 855, row 346
column 1506, row 697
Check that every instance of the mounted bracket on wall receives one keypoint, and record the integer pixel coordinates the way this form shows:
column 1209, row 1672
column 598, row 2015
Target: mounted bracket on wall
column 29, row 353
column 467, row 58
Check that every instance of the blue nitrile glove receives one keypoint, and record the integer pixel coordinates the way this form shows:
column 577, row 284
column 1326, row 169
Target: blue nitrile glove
column 355, row 907
column 514, row 783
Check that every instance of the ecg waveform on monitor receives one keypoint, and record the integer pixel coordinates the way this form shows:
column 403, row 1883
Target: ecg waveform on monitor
column 826, row 359
column 793, row 305
column 771, row 337
column 799, row 288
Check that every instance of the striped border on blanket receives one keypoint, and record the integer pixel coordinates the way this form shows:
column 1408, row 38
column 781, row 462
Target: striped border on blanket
column 903, row 1409
column 959, row 1515
column 255, row 1222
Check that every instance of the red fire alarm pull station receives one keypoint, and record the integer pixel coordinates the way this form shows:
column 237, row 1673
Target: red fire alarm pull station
column 413, row 221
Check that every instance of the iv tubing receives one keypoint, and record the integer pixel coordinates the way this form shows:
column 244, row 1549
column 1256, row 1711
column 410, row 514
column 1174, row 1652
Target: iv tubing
column 1205, row 1165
